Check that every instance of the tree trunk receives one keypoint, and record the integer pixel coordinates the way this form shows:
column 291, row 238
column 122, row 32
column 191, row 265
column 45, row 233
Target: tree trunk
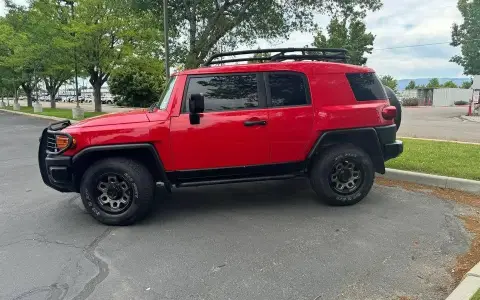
column 29, row 98
column 53, row 103
column 97, row 96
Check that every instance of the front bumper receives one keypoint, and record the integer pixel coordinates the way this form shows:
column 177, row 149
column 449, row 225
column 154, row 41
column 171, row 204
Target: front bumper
column 392, row 150
column 56, row 170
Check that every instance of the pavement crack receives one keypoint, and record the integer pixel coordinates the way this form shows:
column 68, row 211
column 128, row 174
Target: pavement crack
column 55, row 292
column 42, row 239
column 102, row 266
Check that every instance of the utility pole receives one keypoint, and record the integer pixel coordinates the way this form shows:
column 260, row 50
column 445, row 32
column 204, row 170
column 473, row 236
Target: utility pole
column 75, row 57
column 165, row 26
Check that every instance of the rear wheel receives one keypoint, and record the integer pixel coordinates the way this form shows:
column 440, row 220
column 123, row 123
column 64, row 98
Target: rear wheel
column 342, row 175
column 117, row 191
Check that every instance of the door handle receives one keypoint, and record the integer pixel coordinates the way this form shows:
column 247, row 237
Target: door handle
column 255, row 123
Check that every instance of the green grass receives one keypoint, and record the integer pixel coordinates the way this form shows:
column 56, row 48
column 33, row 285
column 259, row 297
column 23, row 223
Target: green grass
column 476, row 296
column 56, row 112
column 439, row 158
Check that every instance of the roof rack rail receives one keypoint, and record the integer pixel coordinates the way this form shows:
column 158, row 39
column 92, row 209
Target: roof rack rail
column 281, row 54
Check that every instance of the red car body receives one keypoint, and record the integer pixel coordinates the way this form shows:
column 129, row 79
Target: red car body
column 329, row 121
column 221, row 139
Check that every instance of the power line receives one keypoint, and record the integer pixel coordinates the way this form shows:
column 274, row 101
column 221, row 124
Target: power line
column 420, row 45
column 412, row 46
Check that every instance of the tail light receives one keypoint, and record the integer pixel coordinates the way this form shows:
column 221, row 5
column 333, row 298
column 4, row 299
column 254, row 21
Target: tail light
column 389, row 112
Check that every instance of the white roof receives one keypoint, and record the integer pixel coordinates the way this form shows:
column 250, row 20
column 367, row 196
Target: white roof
column 476, row 82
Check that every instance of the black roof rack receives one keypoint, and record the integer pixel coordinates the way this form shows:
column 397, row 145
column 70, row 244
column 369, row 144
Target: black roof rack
column 281, row 54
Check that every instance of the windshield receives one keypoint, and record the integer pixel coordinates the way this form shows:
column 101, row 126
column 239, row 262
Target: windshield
column 165, row 98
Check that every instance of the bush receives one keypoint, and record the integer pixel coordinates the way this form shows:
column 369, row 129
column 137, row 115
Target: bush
column 461, row 102
column 410, row 102
column 137, row 82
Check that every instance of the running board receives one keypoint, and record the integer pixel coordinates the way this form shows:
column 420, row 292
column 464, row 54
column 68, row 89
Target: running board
column 236, row 180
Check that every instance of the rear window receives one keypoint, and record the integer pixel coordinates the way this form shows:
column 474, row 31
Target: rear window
column 366, row 86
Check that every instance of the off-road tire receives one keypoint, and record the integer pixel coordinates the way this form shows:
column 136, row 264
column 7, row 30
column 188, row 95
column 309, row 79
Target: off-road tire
column 135, row 174
column 321, row 172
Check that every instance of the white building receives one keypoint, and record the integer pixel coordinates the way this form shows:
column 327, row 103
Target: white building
column 438, row 96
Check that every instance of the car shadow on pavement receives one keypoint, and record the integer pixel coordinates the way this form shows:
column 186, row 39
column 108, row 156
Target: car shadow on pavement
column 230, row 197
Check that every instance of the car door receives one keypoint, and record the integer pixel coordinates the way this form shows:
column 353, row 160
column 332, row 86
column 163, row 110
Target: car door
column 290, row 116
column 232, row 131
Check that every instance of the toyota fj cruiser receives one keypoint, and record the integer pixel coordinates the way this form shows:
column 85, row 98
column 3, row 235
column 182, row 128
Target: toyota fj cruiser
column 300, row 112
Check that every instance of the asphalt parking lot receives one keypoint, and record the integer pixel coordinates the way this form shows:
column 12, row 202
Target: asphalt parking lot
column 246, row 241
column 442, row 123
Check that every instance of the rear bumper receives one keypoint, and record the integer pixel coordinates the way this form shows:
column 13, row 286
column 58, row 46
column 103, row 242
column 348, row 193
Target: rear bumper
column 56, row 170
column 387, row 137
column 392, row 150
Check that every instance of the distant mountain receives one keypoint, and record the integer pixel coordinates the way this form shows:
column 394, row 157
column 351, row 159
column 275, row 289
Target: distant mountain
column 402, row 83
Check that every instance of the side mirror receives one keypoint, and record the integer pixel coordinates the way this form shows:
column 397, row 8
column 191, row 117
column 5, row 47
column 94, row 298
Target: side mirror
column 196, row 104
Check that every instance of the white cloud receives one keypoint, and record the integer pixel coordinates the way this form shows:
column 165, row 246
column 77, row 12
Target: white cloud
column 405, row 23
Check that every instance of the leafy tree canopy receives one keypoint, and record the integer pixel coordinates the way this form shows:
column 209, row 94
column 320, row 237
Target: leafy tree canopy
column 197, row 26
column 433, row 83
column 449, row 84
column 411, row 85
column 467, row 36
column 467, row 84
column 138, row 81
column 389, row 81
column 351, row 35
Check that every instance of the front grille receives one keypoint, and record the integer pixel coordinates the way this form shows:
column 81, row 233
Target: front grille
column 51, row 143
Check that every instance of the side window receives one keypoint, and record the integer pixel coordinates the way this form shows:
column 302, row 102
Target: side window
column 287, row 89
column 224, row 93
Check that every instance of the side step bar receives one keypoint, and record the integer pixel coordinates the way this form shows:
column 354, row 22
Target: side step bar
column 236, row 180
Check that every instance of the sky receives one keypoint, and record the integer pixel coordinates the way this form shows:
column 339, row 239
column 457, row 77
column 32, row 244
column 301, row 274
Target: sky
column 398, row 24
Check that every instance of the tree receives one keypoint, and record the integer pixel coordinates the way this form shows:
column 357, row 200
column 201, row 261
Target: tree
column 449, row 84
column 350, row 35
column 57, row 46
column 467, row 84
column 389, row 81
column 21, row 52
column 202, row 24
column 139, row 81
column 106, row 33
column 467, row 36
column 259, row 55
column 433, row 83
column 411, row 85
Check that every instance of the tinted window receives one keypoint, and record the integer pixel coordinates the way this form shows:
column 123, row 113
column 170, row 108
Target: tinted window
column 287, row 89
column 366, row 86
column 222, row 93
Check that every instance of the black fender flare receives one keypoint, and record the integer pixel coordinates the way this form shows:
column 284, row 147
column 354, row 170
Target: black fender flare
column 84, row 153
column 365, row 138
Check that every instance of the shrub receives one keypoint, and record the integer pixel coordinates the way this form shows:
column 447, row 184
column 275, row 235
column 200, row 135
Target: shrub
column 461, row 102
column 137, row 82
column 410, row 102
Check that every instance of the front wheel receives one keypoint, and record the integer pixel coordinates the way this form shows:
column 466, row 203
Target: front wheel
column 117, row 191
column 342, row 175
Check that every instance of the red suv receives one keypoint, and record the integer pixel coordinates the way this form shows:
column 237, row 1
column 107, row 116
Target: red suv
column 301, row 112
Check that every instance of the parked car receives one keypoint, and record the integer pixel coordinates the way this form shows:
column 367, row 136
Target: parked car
column 108, row 100
column 316, row 117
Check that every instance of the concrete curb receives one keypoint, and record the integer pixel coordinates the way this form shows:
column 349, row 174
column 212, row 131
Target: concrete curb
column 37, row 115
column 437, row 140
column 471, row 186
column 469, row 285
column 471, row 118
